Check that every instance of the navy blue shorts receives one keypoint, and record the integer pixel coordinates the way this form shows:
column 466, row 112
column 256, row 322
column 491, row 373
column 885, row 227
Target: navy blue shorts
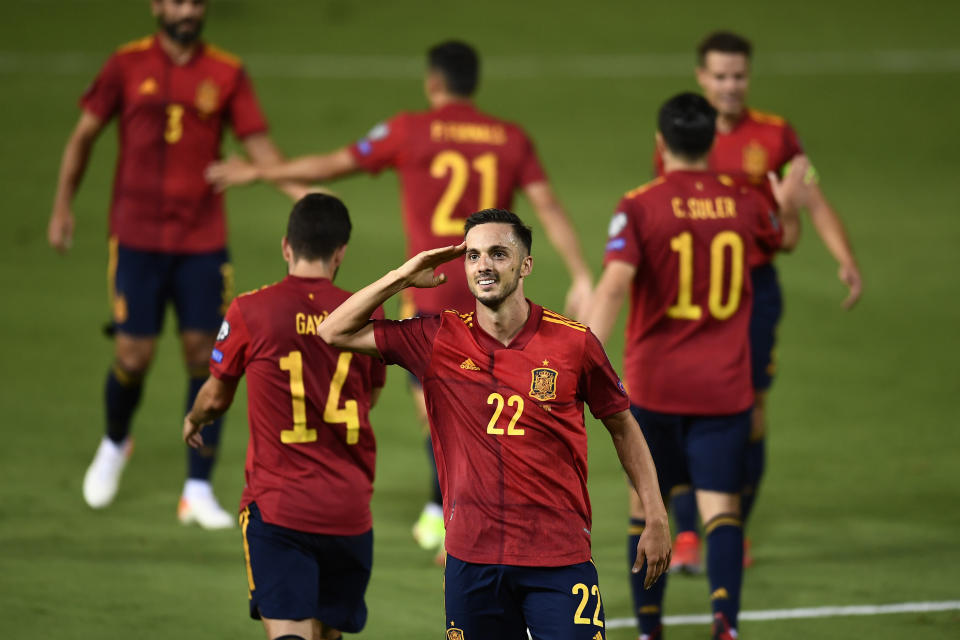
column 764, row 318
column 707, row 452
column 293, row 575
column 200, row 285
column 503, row 601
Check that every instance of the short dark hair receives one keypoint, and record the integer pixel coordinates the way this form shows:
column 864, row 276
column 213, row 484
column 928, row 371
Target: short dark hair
column 318, row 225
column 687, row 123
column 724, row 42
column 459, row 64
column 522, row 231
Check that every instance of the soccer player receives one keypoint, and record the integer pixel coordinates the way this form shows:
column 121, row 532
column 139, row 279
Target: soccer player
column 681, row 246
column 173, row 95
column 452, row 160
column 307, row 529
column 748, row 144
column 505, row 383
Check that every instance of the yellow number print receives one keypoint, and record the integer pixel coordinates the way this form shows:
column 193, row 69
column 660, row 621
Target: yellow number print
column 684, row 309
column 174, row 129
column 454, row 164
column 586, row 591
column 332, row 413
column 512, row 401
column 293, row 362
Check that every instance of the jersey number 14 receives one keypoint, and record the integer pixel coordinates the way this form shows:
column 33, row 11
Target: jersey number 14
column 332, row 413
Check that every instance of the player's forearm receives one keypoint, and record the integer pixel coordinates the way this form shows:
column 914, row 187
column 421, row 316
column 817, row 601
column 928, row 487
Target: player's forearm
column 563, row 237
column 212, row 401
column 312, row 168
column 790, row 224
column 831, row 230
column 354, row 314
column 604, row 309
column 73, row 166
column 637, row 462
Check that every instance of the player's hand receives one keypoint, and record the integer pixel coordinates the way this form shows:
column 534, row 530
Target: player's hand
column 231, row 172
column 60, row 230
column 850, row 276
column 418, row 271
column 654, row 547
column 792, row 191
column 577, row 303
column 191, row 433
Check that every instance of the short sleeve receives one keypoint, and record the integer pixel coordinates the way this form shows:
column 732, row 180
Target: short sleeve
column 408, row 343
column 623, row 235
column 230, row 354
column 378, row 369
column 381, row 147
column 104, row 97
column 767, row 229
column 531, row 171
column 246, row 117
column 599, row 385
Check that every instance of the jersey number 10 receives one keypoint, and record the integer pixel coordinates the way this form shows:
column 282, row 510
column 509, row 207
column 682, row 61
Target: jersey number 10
column 332, row 413
column 684, row 309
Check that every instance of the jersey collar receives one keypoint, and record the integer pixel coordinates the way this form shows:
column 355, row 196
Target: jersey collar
column 490, row 344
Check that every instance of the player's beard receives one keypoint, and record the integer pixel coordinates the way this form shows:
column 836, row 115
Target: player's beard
column 178, row 34
column 494, row 299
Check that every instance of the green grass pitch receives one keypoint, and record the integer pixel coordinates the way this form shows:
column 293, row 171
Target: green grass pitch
column 861, row 503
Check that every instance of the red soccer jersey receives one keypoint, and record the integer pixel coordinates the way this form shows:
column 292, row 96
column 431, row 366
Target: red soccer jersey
column 452, row 162
column 507, row 430
column 310, row 458
column 171, row 119
column 689, row 234
column 759, row 143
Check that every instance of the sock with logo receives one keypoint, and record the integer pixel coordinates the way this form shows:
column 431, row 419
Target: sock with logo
column 683, row 506
column 752, row 472
column 436, row 496
column 200, row 461
column 724, row 534
column 122, row 392
column 647, row 603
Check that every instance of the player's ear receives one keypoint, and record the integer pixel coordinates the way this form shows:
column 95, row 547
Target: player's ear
column 658, row 140
column 286, row 250
column 337, row 258
column 526, row 267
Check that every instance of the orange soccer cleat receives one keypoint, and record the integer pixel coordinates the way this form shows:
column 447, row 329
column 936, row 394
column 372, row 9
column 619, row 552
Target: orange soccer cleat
column 686, row 554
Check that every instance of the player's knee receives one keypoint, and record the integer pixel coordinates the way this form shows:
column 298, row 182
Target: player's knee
column 197, row 346
column 134, row 355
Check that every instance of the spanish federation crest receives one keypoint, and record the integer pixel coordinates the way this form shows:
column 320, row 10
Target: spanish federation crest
column 543, row 383
column 207, row 96
column 755, row 161
column 454, row 634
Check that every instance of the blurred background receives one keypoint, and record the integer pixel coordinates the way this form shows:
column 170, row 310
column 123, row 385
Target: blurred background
column 861, row 501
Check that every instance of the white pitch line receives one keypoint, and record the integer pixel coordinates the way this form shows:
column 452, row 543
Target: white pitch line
column 611, row 66
column 812, row 612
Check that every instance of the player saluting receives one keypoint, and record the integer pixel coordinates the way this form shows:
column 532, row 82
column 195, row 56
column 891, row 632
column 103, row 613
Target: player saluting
column 505, row 385
column 451, row 160
column 310, row 460
column 748, row 144
column 172, row 94
column 681, row 245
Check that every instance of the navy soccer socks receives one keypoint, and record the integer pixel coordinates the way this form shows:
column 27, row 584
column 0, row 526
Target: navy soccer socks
column 683, row 506
column 647, row 603
column 122, row 392
column 724, row 534
column 200, row 461
column 752, row 472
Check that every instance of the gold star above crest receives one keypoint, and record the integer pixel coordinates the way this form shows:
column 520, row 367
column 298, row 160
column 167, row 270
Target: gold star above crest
column 545, row 362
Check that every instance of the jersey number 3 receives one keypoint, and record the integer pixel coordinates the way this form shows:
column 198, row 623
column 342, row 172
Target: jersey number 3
column 332, row 413
column 455, row 164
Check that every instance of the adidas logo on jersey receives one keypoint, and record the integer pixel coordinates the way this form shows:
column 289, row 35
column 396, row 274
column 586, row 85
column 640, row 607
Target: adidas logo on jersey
column 469, row 365
column 599, row 636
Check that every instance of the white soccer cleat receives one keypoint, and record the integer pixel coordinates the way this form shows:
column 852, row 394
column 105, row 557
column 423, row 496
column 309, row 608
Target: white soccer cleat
column 102, row 479
column 204, row 510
